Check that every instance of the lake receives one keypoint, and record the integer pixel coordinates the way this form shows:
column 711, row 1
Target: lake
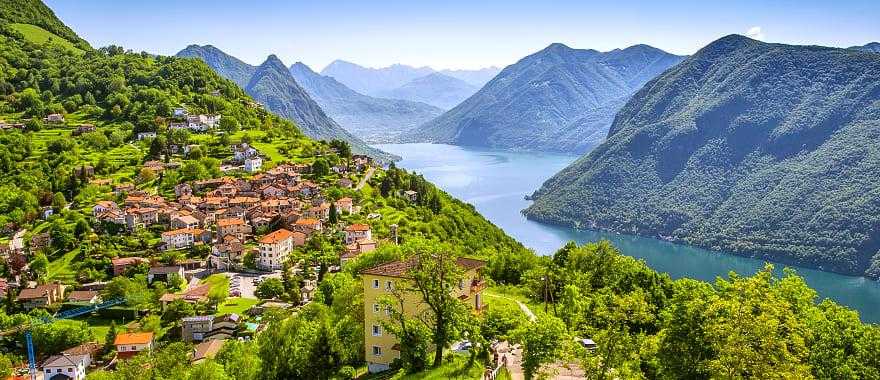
column 496, row 182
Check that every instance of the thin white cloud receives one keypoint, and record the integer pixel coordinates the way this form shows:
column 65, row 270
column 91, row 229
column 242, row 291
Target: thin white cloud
column 756, row 33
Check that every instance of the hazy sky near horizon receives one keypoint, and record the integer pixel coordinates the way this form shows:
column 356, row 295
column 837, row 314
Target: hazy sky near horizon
column 456, row 33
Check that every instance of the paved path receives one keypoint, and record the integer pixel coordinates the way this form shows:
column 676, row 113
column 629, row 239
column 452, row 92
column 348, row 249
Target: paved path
column 366, row 178
column 525, row 309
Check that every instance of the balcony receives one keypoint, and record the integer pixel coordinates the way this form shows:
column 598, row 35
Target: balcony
column 477, row 285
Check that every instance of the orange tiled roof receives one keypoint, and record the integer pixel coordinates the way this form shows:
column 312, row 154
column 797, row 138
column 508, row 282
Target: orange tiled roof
column 229, row 222
column 307, row 222
column 133, row 338
column 276, row 236
column 358, row 227
column 194, row 231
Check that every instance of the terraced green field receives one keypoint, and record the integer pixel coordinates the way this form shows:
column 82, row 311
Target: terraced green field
column 40, row 36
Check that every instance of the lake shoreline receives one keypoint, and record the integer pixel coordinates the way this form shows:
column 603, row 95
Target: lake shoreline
column 758, row 255
column 497, row 183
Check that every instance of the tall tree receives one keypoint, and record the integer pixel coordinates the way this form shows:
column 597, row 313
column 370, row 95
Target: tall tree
column 434, row 273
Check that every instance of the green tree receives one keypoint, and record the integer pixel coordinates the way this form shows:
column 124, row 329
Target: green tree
column 333, row 214
column 110, row 337
column 58, row 202
column 434, row 272
column 240, row 360
column 544, row 342
column 386, row 186
column 320, row 168
column 157, row 147
column 270, row 288
column 39, row 265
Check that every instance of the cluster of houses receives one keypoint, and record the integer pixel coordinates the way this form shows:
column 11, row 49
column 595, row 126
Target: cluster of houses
column 194, row 123
column 232, row 209
column 73, row 363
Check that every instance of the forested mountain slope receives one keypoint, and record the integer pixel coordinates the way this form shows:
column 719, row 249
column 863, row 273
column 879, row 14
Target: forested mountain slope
column 558, row 99
column 280, row 93
column 373, row 119
column 755, row 148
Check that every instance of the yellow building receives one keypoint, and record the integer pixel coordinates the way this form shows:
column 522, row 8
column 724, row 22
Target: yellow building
column 381, row 346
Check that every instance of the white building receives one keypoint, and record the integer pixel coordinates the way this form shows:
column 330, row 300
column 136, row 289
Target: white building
column 146, row 135
column 253, row 164
column 274, row 249
column 181, row 238
column 356, row 232
column 66, row 367
column 243, row 151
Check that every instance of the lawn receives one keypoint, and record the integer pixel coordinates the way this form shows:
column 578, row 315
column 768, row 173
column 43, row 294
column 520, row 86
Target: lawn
column 236, row 305
column 100, row 326
column 60, row 269
column 457, row 369
column 506, row 297
column 39, row 36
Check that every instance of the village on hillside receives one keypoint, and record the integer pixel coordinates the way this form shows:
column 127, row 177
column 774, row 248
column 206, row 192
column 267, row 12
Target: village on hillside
column 219, row 252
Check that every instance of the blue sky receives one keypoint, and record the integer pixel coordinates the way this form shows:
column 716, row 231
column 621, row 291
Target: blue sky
column 455, row 33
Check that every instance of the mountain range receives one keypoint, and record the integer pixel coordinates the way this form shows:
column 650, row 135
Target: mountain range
column 272, row 84
column 755, row 148
column 373, row 119
column 436, row 89
column 443, row 89
column 558, row 99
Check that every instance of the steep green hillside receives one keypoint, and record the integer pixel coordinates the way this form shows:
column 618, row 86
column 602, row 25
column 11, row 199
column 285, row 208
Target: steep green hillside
column 34, row 12
column 39, row 36
column 759, row 149
column 558, row 99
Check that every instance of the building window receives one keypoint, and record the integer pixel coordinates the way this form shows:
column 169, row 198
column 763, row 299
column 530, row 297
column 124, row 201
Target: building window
column 377, row 351
column 377, row 330
column 375, row 308
column 387, row 310
column 389, row 285
column 375, row 284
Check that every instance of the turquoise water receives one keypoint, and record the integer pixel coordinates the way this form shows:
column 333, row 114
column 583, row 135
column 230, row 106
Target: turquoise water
column 496, row 182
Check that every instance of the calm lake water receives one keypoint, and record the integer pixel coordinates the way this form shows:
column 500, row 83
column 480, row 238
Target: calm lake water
column 496, row 182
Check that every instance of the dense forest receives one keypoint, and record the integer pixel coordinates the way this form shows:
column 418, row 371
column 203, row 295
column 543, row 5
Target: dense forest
column 749, row 147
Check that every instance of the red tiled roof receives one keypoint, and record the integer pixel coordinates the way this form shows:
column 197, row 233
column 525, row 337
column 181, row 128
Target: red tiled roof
column 400, row 268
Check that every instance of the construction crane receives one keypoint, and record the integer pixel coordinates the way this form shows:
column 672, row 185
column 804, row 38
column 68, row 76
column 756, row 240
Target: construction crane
column 72, row 313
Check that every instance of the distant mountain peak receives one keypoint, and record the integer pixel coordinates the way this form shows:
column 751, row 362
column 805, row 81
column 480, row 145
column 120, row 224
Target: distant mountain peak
column 272, row 61
column 557, row 99
column 871, row 47
column 557, row 46
column 299, row 66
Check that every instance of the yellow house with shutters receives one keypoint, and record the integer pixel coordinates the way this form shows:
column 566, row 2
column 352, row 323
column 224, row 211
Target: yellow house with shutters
column 381, row 347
